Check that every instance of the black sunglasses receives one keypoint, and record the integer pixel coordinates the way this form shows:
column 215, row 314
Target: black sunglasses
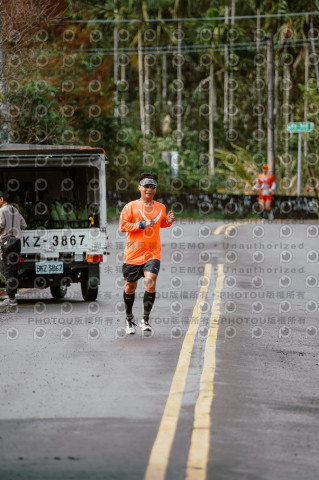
column 152, row 187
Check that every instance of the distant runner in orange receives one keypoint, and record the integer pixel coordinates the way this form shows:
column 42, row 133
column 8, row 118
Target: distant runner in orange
column 142, row 219
column 266, row 185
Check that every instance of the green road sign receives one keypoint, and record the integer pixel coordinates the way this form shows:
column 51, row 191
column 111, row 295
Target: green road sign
column 299, row 127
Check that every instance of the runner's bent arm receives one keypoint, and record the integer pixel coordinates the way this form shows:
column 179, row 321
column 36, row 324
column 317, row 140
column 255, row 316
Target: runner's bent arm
column 168, row 222
column 126, row 224
column 165, row 223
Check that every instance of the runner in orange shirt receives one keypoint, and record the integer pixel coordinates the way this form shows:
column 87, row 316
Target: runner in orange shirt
column 142, row 219
column 266, row 185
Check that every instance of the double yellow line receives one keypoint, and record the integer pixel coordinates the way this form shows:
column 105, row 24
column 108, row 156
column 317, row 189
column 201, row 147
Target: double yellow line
column 200, row 440
column 198, row 454
column 228, row 227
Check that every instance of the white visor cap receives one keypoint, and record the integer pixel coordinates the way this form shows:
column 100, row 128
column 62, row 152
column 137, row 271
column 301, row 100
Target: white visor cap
column 148, row 181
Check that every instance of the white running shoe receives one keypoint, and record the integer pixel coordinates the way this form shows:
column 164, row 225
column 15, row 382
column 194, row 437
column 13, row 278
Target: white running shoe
column 145, row 326
column 130, row 326
column 7, row 302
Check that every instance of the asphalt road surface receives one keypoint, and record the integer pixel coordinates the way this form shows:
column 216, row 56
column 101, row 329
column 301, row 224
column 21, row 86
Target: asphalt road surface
column 226, row 388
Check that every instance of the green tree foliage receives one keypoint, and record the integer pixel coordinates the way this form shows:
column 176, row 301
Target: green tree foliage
column 66, row 89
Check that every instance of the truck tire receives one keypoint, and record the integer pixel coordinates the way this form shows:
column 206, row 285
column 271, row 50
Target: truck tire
column 89, row 294
column 58, row 291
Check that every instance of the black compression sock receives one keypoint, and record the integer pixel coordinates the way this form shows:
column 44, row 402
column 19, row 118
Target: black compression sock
column 148, row 302
column 128, row 302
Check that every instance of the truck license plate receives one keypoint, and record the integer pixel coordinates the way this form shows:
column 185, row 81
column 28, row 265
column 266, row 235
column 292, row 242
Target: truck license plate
column 48, row 267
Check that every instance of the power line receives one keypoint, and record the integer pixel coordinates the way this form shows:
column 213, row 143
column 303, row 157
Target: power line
column 191, row 48
column 194, row 19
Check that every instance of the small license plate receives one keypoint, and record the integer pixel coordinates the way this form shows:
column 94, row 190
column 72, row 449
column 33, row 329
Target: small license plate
column 45, row 268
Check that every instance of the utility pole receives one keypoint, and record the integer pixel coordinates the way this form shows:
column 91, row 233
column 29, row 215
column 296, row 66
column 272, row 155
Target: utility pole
column 270, row 105
column 300, row 128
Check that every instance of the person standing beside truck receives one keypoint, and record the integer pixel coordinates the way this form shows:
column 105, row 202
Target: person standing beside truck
column 142, row 219
column 11, row 223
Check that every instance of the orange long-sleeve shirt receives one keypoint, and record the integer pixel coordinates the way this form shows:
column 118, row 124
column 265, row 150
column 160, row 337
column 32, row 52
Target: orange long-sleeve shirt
column 142, row 244
column 266, row 183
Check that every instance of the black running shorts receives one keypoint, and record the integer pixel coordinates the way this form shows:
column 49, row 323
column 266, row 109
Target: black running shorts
column 132, row 273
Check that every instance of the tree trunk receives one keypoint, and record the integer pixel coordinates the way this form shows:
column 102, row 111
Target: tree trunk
column 277, row 70
column 231, row 73
column 147, row 95
column 286, row 103
column 179, row 90
column 164, row 85
column 211, row 164
column 313, row 46
column 116, row 65
column 259, row 117
column 226, row 75
column 123, row 104
column 140, row 80
column 123, row 78
column 270, row 105
column 305, row 143
column 4, row 105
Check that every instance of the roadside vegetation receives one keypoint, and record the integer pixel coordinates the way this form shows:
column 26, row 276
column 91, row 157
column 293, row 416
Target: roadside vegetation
column 140, row 78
